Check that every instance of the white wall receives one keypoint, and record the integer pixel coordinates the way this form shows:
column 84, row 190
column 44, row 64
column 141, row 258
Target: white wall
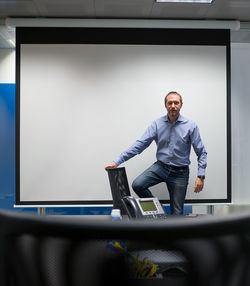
column 240, row 122
column 240, row 101
column 7, row 66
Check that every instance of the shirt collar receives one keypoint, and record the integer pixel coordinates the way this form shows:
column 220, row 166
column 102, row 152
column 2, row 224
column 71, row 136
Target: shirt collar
column 179, row 119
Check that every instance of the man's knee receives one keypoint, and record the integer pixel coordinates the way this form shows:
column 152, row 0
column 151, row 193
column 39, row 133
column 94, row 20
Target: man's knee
column 136, row 186
column 140, row 189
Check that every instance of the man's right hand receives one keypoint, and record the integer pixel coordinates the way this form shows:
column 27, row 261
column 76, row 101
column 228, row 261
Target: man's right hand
column 112, row 165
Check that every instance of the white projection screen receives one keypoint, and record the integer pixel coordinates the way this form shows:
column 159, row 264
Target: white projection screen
column 84, row 95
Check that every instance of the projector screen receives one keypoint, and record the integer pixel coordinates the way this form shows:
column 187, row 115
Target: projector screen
column 84, row 97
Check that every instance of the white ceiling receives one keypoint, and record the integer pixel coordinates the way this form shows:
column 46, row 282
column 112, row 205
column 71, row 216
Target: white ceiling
column 123, row 9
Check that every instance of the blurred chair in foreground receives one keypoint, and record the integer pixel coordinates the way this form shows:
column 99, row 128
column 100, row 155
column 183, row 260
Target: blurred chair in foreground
column 41, row 251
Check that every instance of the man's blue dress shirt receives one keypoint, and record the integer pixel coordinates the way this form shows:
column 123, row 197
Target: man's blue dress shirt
column 173, row 141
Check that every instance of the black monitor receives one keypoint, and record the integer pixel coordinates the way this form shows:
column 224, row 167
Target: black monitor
column 119, row 186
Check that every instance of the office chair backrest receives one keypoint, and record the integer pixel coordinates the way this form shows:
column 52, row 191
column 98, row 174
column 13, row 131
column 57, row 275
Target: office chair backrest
column 47, row 251
column 119, row 186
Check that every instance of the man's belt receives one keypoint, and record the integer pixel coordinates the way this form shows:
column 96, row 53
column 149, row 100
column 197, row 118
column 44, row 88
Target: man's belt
column 173, row 167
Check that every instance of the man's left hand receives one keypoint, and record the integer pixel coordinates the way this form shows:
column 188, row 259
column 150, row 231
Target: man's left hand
column 198, row 186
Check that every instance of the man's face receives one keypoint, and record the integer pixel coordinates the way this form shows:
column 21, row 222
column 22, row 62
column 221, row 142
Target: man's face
column 173, row 105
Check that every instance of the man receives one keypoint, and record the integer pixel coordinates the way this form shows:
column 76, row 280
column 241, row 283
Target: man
column 174, row 135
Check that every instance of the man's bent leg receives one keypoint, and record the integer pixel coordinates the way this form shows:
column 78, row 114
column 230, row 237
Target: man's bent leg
column 154, row 175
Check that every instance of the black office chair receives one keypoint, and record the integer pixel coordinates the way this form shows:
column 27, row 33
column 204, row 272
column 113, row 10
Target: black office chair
column 119, row 186
column 48, row 251
column 61, row 251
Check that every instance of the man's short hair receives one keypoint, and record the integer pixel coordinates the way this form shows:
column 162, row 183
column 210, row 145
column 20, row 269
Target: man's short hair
column 172, row 92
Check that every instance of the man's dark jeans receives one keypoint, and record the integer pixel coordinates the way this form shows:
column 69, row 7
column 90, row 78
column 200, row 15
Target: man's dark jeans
column 175, row 179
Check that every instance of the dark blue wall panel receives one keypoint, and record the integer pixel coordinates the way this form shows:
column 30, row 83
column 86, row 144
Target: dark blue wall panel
column 7, row 145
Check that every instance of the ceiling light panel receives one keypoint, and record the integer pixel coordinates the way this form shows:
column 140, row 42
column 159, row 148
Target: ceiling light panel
column 186, row 1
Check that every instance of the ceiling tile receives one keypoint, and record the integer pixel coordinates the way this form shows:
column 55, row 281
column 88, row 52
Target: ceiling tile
column 66, row 8
column 179, row 10
column 21, row 8
column 123, row 8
